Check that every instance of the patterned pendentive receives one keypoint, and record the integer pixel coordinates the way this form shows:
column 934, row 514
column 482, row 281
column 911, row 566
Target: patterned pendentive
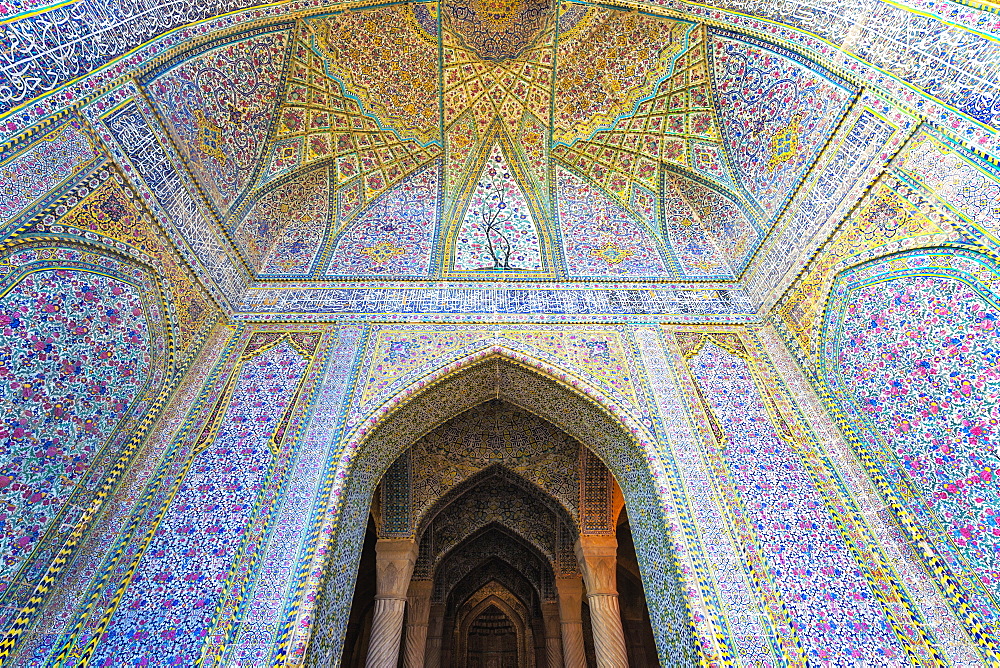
column 600, row 239
column 726, row 224
column 499, row 232
column 283, row 231
column 776, row 112
column 218, row 104
column 692, row 253
column 663, row 110
column 171, row 599
column 641, row 76
column 395, row 235
column 910, row 352
column 74, row 357
column 322, row 119
column 388, row 58
column 803, row 559
column 36, row 170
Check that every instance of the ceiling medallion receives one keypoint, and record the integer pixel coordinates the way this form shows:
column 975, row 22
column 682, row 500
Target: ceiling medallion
column 498, row 29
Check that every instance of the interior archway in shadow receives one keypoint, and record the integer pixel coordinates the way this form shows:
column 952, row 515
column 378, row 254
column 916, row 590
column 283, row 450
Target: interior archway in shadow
column 582, row 417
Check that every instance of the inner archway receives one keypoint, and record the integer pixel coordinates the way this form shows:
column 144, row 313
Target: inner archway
column 604, row 435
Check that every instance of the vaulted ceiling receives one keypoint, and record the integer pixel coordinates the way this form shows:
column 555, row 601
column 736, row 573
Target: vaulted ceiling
column 488, row 139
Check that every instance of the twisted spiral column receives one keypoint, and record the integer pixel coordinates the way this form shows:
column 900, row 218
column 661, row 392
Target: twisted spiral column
column 435, row 629
column 387, row 629
column 570, row 590
column 394, row 560
column 598, row 558
column 419, row 600
column 553, row 635
column 609, row 639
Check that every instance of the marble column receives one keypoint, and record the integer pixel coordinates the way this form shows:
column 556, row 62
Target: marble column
column 598, row 557
column 394, row 560
column 570, row 590
column 435, row 635
column 553, row 634
column 418, row 600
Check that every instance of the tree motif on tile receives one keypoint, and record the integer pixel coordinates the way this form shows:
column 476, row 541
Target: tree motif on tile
column 218, row 104
column 498, row 231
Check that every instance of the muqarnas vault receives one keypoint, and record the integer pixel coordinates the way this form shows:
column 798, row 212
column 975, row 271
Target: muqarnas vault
column 525, row 334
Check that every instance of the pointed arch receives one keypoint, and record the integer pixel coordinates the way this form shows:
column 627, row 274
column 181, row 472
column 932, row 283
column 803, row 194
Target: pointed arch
column 602, row 424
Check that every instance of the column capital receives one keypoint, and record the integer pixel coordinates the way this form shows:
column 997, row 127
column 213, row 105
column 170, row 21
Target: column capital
column 570, row 591
column 394, row 561
column 598, row 557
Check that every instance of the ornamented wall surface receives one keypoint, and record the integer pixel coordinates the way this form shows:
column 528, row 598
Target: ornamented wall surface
column 743, row 255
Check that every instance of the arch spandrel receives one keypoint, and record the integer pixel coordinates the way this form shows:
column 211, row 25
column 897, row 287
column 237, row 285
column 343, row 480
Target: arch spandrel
column 571, row 404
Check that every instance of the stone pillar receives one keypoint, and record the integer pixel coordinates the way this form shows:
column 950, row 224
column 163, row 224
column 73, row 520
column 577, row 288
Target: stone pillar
column 570, row 590
column 435, row 635
column 553, row 635
column 598, row 557
column 394, row 560
column 418, row 598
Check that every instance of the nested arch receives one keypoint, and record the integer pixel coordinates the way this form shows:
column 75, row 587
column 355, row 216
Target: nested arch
column 621, row 442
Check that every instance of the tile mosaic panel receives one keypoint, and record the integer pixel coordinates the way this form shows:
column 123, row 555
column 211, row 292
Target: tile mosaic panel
column 169, row 603
column 908, row 348
column 31, row 173
column 886, row 220
column 395, row 235
column 284, row 229
column 600, row 239
column 834, row 614
column 776, row 109
column 71, row 596
column 965, row 183
column 76, row 355
column 140, row 148
column 217, row 104
column 867, row 139
column 109, row 212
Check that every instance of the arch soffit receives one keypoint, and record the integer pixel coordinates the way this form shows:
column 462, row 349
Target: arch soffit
column 516, row 549
column 469, row 485
column 517, row 517
column 509, row 605
column 446, row 392
column 539, row 436
column 494, row 570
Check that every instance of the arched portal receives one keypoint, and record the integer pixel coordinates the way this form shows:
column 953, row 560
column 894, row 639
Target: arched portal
column 576, row 408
